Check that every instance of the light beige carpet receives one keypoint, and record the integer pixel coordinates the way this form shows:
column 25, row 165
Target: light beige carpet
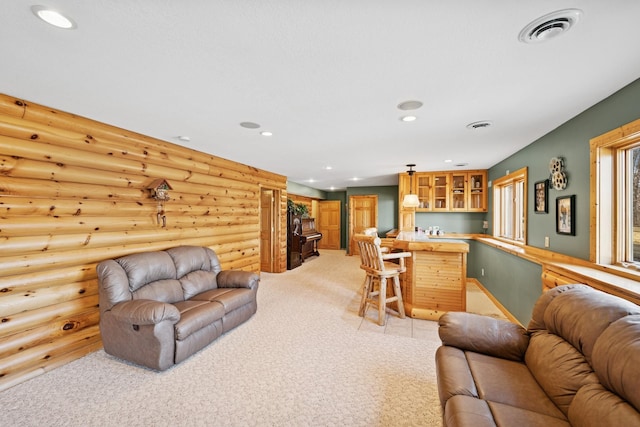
column 304, row 359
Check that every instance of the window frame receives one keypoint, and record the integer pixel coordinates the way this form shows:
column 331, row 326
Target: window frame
column 610, row 216
column 518, row 181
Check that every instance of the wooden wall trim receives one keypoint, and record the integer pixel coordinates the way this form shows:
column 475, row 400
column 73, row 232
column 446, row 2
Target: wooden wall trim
column 73, row 192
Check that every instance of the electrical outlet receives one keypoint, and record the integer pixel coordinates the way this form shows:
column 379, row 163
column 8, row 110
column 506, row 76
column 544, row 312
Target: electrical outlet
column 546, row 241
column 482, row 272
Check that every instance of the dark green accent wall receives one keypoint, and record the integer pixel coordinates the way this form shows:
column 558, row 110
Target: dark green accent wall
column 303, row 190
column 516, row 283
column 457, row 222
column 570, row 141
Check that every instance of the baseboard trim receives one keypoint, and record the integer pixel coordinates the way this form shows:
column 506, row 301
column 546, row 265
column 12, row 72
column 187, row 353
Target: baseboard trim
column 502, row 308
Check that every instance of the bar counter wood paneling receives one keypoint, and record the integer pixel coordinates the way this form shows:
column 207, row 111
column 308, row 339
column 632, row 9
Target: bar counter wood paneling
column 435, row 281
column 73, row 192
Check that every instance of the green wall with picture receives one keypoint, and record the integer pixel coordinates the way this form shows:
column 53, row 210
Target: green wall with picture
column 510, row 279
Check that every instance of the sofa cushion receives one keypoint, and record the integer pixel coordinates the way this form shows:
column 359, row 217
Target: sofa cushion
column 483, row 334
column 196, row 282
column 147, row 267
column 195, row 315
column 230, row 298
column 113, row 284
column 595, row 406
column 616, row 359
column 192, row 258
column 454, row 376
column 506, row 415
column 558, row 367
column 509, row 382
column 580, row 317
column 467, row 411
column 167, row 290
column 537, row 316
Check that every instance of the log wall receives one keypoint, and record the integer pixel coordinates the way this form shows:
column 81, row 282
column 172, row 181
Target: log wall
column 73, row 192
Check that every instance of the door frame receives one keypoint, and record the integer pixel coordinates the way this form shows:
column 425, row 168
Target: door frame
column 272, row 230
column 351, row 250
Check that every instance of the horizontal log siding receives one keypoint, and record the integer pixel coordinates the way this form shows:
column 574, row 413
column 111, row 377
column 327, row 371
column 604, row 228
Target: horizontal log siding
column 73, row 192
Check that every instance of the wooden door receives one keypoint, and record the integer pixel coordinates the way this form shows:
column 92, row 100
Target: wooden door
column 268, row 227
column 363, row 213
column 328, row 223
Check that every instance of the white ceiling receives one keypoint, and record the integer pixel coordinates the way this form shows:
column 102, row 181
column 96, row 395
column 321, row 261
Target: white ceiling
column 325, row 76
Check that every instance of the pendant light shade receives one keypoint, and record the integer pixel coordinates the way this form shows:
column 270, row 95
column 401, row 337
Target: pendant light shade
column 410, row 200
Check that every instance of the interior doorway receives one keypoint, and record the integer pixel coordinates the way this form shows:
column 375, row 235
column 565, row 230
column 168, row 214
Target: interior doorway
column 328, row 223
column 363, row 213
column 269, row 220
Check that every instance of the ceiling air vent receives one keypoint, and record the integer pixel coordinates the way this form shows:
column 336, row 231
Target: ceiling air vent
column 479, row 125
column 549, row 26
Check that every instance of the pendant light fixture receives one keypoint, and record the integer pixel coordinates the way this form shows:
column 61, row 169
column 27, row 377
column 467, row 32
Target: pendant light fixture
column 410, row 200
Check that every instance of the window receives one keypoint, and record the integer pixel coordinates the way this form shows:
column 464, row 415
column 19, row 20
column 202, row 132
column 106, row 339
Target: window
column 510, row 207
column 615, row 194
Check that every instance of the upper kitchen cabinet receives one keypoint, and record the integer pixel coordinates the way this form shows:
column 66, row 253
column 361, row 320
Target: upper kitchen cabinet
column 448, row 191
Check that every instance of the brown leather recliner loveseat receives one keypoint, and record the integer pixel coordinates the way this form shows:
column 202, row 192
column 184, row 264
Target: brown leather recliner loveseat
column 158, row 308
column 577, row 364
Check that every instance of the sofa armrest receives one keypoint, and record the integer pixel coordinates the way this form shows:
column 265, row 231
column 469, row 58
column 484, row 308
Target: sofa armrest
column 484, row 334
column 145, row 312
column 237, row 279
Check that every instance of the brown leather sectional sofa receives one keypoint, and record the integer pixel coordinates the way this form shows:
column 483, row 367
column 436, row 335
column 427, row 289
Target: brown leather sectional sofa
column 159, row 308
column 577, row 364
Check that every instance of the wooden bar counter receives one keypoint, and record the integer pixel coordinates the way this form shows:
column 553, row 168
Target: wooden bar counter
column 435, row 281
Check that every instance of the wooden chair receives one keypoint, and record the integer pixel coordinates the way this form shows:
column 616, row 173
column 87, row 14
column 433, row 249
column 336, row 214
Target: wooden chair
column 373, row 231
column 378, row 269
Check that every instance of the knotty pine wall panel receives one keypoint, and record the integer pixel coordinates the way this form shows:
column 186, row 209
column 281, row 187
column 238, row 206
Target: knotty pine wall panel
column 73, row 192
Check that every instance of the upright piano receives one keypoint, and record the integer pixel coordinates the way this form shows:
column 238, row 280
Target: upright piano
column 309, row 238
column 302, row 240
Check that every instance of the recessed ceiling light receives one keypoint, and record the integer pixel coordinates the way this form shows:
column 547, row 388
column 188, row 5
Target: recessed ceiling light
column 328, row 168
column 409, row 105
column 448, row 161
column 249, row 125
column 266, row 133
column 550, row 26
column 408, row 118
column 184, row 138
column 53, row 17
column 483, row 124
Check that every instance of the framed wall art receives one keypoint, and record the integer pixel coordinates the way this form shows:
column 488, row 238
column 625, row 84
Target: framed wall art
column 566, row 215
column 541, row 195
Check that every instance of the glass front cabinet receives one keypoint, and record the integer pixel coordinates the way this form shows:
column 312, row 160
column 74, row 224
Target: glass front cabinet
column 477, row 191
column 424, row 189
column 448, row 191
column 459, row 191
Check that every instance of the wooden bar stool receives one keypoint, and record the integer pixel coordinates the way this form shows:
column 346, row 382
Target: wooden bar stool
column 378, row 269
